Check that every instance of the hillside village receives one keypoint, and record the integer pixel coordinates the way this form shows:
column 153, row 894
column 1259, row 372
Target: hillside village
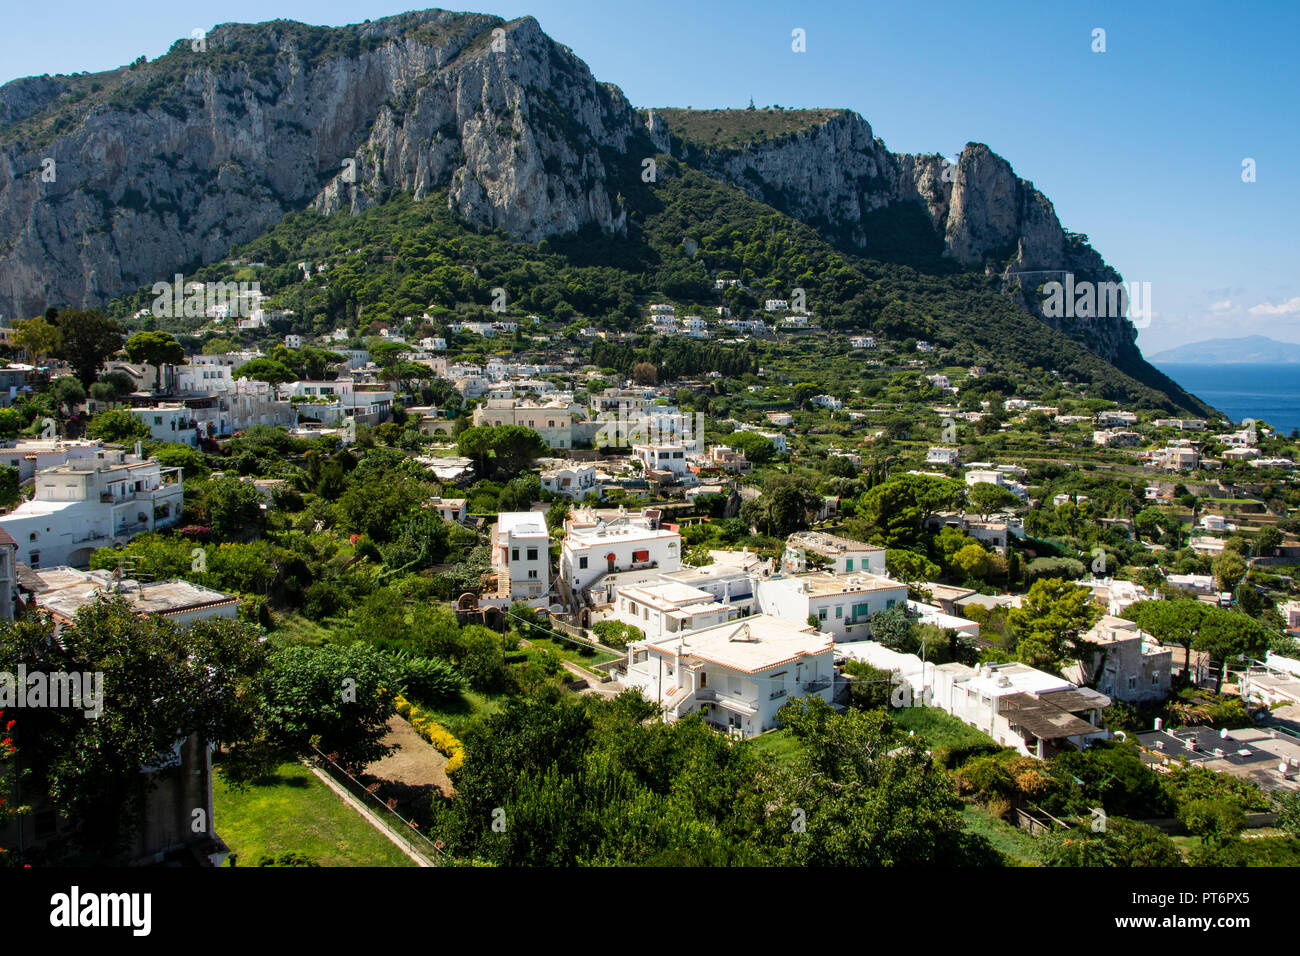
column 1020, row 573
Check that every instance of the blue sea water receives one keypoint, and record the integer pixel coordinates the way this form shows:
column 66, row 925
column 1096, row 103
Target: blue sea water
column 1267, row 393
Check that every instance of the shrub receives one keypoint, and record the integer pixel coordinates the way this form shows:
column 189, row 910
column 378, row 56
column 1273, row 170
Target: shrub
column 433, row 732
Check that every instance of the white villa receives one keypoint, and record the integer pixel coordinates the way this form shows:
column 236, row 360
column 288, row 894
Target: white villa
column 735, row 675
column 93, row 503
column 842, row 604
column 595, row 547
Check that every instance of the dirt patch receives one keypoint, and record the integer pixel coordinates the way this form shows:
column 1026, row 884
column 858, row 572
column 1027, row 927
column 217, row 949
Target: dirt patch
column 412, row 773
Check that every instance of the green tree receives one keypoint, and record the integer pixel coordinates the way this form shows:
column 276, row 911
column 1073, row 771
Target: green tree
column 986, row 498
column 86, row 339
column 160, row 685
column 339, row 696
column 37, row 337
column 118, row 426
column 156, row 349
column 1124, row 843
column 858, row 795
column 1051, row 619
column 1228, row 569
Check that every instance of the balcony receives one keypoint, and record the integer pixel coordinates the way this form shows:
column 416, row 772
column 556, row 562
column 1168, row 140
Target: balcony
column 815, row 685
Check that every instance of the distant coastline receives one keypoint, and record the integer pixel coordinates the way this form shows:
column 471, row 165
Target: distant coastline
column 1247, row 350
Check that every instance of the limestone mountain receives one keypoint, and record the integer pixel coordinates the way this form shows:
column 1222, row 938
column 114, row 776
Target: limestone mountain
column 116, row 180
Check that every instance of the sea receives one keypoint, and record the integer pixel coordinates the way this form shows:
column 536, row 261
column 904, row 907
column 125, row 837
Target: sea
column 1266, row 393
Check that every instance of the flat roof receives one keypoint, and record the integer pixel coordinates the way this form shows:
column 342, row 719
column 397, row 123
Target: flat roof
column 822, row 583
column 523, row 524
column 748, row 645
column 821, row 542
column 667, row 596
column 67, row 590
column 1044, row 719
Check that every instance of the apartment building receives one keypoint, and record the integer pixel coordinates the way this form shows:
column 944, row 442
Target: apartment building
column 93, row 503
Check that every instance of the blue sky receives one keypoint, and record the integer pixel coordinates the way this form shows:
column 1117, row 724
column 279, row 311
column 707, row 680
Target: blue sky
column 1139, row 147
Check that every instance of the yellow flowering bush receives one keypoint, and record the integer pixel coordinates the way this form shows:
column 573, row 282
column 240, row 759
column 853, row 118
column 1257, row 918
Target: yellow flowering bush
column 432, row 731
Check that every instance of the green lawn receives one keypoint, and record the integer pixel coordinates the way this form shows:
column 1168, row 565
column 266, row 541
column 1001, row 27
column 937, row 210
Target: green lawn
column 779, row 743
column 571, row 652
column 471, row 706
column 292, row 811
column 937, row 729
column 1006, row 839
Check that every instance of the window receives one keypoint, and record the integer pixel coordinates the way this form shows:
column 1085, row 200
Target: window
column 1132, row 683
column 821, row 614
column 848, row 564
column 532, row 554
column 514, row 554
column 532, row 575
column 1155, row 679
column 640, row 555
column 839, row 611
column 582, row 563
column 890, row 603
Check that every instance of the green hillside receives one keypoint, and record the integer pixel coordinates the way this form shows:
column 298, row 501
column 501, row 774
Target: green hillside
column 405, row 258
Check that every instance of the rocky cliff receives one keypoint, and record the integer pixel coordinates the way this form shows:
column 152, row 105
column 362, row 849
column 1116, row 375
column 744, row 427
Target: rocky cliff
column 169, row 164
column 836, row 175
column 117, row 180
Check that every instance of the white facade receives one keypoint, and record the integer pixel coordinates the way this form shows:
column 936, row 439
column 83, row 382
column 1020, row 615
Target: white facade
column 168, row 422
column 663, row 457
column 521, row 555
column 844, row 555
column 668, row 608
column 842, row 604
column 736, row 676
column 93, row 503
column 619, row 545
column 573, row 479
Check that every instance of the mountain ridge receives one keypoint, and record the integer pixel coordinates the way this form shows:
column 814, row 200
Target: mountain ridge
column 1246, row 349
column 165, row 166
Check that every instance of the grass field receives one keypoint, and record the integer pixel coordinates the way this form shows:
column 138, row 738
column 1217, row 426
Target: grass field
column 938, row 729
column 292, row 811
column 1006, row 839
column 779, row 743
column 471, row 706
column 571, row 652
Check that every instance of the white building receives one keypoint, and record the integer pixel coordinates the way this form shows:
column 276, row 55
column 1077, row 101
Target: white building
column 521, row 555
column 35, row 454
column 668, row 608
column 93, row 503
column 842, row 604
column 940, row 455
column 615, row 546
column 663, row 457
column 832, row 553
column 168, row 422
column 573, row 479
column 736, row 676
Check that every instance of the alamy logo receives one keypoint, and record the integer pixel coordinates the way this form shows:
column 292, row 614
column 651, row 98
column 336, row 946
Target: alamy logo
column 59, row 690
column 623, row 430
column 1098, row 300
column 903, row 695
column 75, row 909
column 191, row 300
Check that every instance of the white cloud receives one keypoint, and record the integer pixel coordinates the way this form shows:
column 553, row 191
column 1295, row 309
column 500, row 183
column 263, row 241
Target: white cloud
column 1224, row 305
column 1290, row 307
